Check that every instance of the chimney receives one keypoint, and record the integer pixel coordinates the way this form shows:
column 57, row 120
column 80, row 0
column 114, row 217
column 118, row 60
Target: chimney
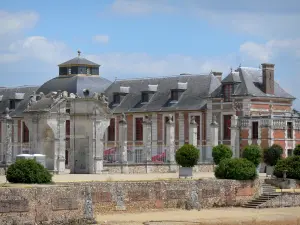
column 268, row 78
column 218, row 75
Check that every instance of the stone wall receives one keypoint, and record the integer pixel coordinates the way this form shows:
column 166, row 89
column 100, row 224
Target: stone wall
column 283, row 184
column 77, row 201
column 153, row 168
column 283, row 200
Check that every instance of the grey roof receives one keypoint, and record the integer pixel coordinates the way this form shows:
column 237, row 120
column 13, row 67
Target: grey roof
column 79, row 61
column 233, row 77
column 250, row 84
column 9, row 94
column 75, row 84
column 199, row 87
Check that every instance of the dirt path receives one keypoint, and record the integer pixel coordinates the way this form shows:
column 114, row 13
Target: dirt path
column 217, row 216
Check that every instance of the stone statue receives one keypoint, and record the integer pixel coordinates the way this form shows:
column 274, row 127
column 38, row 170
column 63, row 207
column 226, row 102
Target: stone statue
column 72, row 95
column 123, row 117
column 170, row 117
column 193, row 121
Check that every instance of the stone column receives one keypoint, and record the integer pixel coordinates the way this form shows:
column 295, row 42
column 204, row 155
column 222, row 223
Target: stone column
column 147, row 138
column 7, row 128
column 60, row 145
column 209, row 140
column 98, row 145
column 123, row 144
column 214, row 126
column 170, row 136
column 181, row 129
column 193, row 132
column 235, row 140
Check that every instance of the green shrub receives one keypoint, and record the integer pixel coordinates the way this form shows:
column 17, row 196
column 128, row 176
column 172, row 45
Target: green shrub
column 272, row 154
column 291, row 165
column 220, row 152
column 187, row 155
column 253, row 153
column 28, row 171
column 236, row 169
column 296, row 150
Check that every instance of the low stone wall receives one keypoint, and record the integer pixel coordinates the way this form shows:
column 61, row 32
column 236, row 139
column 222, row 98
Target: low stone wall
column 154, row 168
column 283, row 183
column 53, row 204
column 284, row 200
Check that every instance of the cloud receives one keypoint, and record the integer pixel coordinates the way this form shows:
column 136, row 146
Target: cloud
column 271, row 49
column 16, row 22
column 101, row 38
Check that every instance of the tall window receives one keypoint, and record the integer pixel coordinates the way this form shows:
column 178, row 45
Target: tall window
column 197, row 119
column 289, row 152
column 165, row 129
column 25, row 133
column 227, row 125
column 290, row 130
column 145, row 97
column 254, row 130
column 138, row 129
column 227, row 89
column 111, row 130
column 12, row 104
column 68, row 127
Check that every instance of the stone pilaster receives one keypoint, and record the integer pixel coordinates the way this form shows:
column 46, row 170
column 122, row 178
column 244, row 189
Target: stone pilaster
column 123, row 144
column 170, row 133
column 271, row 132
column 15, row 144
column 7, row 134
column 259, row 133
column 234, row 129
column 193, row 132
column 214, row 126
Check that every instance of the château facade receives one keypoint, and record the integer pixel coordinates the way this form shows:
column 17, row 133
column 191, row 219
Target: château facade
column 248, row 106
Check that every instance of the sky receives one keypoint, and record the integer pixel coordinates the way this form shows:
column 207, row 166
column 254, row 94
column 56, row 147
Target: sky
column 148, row 38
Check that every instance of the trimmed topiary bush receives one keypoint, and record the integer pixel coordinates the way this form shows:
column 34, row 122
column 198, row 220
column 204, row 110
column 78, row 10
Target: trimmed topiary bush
column 187, row 155
column 253, row 153
column 291, row 165
column 236, row 169
column 272, row 154
column 28, row 171
column 296, row 150
column 221, row 152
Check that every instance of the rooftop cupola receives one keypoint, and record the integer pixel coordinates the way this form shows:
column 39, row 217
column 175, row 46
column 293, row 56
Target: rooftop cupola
column 78, row 66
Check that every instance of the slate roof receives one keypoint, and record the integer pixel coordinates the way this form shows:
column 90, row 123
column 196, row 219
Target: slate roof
column 9, row 94
column 75, row 84
column 199, row 87
column 248, row 82
column 79, row 61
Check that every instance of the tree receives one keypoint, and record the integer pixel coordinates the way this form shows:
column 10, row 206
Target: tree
column 221, row 152
column 297, row 150
column 272, row 154
column 253, row 153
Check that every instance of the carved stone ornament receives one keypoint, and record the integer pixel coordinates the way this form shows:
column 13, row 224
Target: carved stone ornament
column 297, row 124
column 244, row 123
column 193, row 121
column 279, row 124
column 237, row 106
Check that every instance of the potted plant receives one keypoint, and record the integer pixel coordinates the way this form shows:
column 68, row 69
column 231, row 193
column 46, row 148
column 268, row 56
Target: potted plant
column 271, row 157
column 253, row 153
column 187, row 157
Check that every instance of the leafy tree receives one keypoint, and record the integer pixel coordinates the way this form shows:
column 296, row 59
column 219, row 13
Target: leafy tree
column 221, row 152
column 253, row 153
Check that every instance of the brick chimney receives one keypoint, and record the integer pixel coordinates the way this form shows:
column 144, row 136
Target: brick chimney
column 268, row 78
column 218, row 75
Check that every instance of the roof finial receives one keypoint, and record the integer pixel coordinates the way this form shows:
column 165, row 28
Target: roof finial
column 230, row 69
column 79, row 52
column 240, row 65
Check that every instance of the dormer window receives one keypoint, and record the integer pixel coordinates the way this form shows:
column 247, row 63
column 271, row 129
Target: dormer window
column 175, row 95
column 12, row 104
column 227, row 92
column 145, row 97
column 117, row 98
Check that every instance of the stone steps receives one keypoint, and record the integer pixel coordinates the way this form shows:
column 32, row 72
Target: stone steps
column 268, row 193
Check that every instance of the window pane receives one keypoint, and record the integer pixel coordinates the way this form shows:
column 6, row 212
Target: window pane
column 138, row 129
column 254, row 130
